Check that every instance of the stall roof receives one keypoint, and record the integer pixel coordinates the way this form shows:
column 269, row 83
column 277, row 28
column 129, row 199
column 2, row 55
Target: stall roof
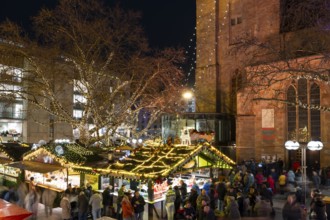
column 14, row 151
column 35, row 166
column 162, row 161
column 73, row 155
column 5, row 161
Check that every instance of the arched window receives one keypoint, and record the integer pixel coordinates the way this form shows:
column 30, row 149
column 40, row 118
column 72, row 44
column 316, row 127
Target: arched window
column 303, row 121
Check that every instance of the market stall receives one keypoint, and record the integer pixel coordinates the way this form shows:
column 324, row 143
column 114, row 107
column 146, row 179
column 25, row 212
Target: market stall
column 10, row 153
column 50, row 166
column 157, row 166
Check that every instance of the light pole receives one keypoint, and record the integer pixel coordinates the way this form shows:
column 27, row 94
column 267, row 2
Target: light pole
column 312, row 145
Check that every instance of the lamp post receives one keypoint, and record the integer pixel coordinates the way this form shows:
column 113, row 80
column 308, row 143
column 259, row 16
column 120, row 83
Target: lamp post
column 312, row 145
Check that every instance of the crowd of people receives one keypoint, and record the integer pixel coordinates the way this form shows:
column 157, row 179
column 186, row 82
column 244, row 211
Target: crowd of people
column 248, row 192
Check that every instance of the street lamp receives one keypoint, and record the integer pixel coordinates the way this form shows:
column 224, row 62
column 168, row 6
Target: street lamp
column 312, row 145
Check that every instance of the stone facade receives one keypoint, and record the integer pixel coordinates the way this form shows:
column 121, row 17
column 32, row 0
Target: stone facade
column 221, row 25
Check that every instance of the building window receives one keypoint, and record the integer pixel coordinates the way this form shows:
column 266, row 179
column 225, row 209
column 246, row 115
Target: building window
column 239, row 20
column 77, row 113
column 303, row 122
column 79, row 99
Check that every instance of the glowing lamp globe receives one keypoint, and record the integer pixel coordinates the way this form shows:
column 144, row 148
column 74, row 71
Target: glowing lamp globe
column 291, row 145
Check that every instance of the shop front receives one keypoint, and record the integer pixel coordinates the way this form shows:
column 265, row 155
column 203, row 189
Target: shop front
column 45, row 175
column 48, row 169
column 10, row 153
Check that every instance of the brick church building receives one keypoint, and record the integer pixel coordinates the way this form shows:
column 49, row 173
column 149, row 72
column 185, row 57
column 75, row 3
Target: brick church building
column 263, row 61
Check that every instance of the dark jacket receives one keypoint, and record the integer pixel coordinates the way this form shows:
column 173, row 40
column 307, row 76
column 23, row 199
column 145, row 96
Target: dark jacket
column 318, row 210
column 221, row 189
column 138, row 204
column 209, row 216
column 82, row 203
column 292, row 211
column 106, row 197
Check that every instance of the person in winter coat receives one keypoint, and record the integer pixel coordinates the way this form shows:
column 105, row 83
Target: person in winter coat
column 31, row 203
column 193, row 198
column 82, row 206
column 177, row 201
column 48, row 197
column 22, row 191
column 213, row 196
column 96, row 202
column 183, row 191
column 292, row 209
column 128, row 212
column 222, row 190
column 259, row 179
column 242, row 206
column 282, row 183
column 202, row 197
column 271, row 183
column 252, row 197
column 317, row 206
column 169, row 203
column 263, row 208
column 316, row 180
column 208, row 213
column 189, row 211
column 267, row 193
column 106, row 199
column 290, row 177
column 232, row 210
column 138, row 205
column 121, row 193
column 65, row 205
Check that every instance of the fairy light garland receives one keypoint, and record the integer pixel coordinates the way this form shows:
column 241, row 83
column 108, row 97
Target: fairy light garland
column 6, row 154
column 158, row 164
column 63, row 160
column 210, row 29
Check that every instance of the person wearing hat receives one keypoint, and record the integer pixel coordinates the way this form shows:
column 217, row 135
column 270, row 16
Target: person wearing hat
column 138, row 205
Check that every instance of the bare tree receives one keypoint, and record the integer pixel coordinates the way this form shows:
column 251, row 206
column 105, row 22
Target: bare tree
column 99, row 51
column 301, row 50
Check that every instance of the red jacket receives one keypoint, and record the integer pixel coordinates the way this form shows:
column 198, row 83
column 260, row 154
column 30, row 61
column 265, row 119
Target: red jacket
column 127, row 207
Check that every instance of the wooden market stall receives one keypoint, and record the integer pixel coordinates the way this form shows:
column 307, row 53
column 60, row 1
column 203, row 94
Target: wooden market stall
column 9, row 153
column 50, row 166
column 149, row 164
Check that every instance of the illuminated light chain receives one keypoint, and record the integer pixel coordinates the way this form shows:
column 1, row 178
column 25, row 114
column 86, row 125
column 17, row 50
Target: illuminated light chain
column 212, row 15
column 6, row 154
column 31, row 155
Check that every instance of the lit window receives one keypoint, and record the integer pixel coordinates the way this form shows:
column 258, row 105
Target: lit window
column 77, row 113
column 79, row 99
